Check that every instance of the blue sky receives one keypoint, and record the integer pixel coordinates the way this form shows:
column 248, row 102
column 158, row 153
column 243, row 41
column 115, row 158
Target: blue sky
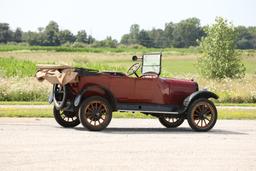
column 114, row 17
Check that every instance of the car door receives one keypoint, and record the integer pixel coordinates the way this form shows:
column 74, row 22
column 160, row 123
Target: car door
column 123, row 88
column 144, row 89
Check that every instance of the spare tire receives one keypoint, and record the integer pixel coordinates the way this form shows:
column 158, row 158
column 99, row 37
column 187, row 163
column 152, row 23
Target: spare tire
column 59, row 96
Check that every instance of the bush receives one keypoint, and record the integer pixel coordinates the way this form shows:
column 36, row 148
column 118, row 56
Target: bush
column 23, row 89
column 219, row 59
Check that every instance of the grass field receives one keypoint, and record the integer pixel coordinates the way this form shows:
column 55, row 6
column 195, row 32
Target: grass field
column 223, row 113
column 17, row 65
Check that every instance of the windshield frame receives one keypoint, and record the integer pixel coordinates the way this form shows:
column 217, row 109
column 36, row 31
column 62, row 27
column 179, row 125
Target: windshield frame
column 160, row 62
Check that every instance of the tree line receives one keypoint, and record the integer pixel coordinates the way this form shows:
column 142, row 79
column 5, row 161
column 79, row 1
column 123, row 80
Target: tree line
column 183, row 34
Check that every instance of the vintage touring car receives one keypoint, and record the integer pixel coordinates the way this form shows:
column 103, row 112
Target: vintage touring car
column 87, row 96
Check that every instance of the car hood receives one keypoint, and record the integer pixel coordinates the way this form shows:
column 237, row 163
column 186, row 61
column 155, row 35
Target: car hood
column 181, row 86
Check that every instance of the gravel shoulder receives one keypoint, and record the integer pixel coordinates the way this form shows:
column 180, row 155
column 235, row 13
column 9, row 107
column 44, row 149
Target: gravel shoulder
column 127, row 144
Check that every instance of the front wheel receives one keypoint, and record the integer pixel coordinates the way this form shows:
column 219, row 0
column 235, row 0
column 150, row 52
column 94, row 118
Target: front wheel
column 202, row 115
column 95, row 113
column 170, row 121
column 66, row 119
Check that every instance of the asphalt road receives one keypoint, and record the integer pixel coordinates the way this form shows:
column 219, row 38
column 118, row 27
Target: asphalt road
column 128, row 144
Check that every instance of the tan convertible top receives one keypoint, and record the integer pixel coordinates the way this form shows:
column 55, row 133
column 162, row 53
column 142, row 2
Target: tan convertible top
column 51, row 66
column 56, row 74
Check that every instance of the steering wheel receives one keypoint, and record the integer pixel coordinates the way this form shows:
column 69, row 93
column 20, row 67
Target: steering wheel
column 133, row 69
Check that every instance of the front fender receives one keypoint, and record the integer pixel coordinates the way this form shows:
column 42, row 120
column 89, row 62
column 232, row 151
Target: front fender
column 199, row 94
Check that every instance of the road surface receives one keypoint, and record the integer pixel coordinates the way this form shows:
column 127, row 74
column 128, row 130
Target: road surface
column 128, row 144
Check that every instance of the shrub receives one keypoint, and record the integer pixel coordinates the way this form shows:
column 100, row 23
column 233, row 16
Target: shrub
column 219, row 59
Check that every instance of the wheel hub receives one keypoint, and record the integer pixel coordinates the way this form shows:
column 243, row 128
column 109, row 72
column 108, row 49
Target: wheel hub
column 201, row 115
column 96, row 114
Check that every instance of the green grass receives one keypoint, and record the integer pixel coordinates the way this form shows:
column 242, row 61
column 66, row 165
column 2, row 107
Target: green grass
column 23, row 103
column 177, row 67
column 233, row 104
column 223, row 113
column 236, row 114
column 250, row 66
column 11, row 67
column 14, row 112
column 174, row 51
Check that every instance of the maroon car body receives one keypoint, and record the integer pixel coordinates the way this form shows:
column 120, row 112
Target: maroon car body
column 171, row 100
column 125, row 89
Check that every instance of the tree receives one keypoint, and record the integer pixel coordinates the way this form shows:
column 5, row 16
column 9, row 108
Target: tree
column 168, row 34
column 246, row 37
column 5, row 33
column 125, row 39
column 144, row 39
column 81, row 36
column 219, row 59
column 17, row 37
column 157, row 38
column 134, row 34
column 52, row 34
column 91, row 39
column 65, row 36
column 186, row 33
column 109, row 42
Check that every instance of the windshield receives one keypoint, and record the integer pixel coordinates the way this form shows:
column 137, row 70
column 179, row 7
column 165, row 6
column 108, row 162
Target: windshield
column 151, row 63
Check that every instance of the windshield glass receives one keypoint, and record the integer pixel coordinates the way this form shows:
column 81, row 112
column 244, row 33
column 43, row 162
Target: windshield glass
column 151, row 63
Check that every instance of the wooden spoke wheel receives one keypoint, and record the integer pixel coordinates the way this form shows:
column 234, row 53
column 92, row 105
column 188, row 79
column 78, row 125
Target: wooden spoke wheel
column 202, row 115
column 65, row 118
column 170, row 121
column 95, row 113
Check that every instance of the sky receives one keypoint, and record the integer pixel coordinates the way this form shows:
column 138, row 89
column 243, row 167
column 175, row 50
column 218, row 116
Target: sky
column 103, row 18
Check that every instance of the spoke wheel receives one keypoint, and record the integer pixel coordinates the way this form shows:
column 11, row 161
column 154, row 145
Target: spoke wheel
column 95, row 113
column 171, row 122
column 65, row 118
column 202, row 115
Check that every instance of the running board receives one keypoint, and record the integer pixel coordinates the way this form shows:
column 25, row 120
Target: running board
column 142, row 111
column 148, row 108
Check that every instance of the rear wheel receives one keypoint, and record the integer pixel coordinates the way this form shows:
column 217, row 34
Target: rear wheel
column 202, row 115
column 170, row 121
column 95, row 113
column 65, row 118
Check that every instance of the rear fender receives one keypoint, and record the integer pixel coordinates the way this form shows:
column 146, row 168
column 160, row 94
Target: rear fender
column 99, row 90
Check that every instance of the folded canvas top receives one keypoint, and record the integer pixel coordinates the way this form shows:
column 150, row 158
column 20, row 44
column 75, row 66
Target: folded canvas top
column 56, row 74
column 51, row 66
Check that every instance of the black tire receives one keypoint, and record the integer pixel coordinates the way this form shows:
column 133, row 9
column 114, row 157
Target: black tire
column 171, row 122
column 202, row 115
column 65, row 118
column 95, row 113
column 59, row 96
